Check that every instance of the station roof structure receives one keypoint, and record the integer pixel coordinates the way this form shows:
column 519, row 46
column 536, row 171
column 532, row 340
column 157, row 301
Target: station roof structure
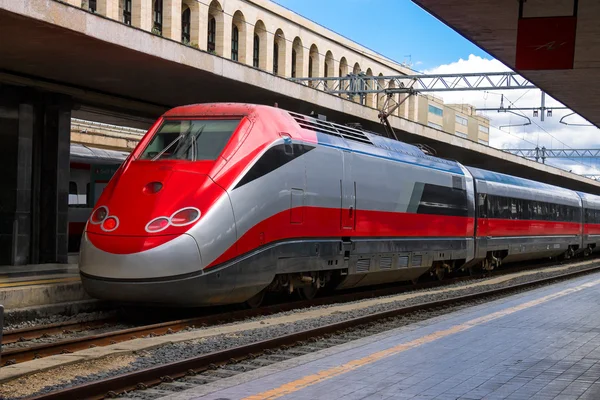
column 555, row 44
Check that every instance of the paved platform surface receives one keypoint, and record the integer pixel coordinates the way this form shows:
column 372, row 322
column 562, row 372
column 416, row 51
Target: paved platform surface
column 542, row 344
column 41, row 284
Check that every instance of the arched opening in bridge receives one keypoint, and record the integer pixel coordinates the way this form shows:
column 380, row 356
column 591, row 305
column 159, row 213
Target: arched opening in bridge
column 328, row 67
column 313, row 64
column 256, row 51
column 259, row 58
column 157, row 16
column 279, row 54
column 297, row 57
column 186, row 24
column 370, row 85
column 343, row 71
column 215, row 28
column 238, row 37
column 126, row 7
column 235, row 43
column 380, row 95
column 190, row 27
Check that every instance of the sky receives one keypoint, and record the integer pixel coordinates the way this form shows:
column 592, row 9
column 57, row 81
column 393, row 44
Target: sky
column 403, row 32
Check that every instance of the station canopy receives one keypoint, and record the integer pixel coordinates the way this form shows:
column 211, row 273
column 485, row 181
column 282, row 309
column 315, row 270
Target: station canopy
column 555, row 44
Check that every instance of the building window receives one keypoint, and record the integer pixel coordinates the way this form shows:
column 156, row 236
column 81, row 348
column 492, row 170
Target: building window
column 186, row 23
column 235, row 42
column 436, row 126
column 256, row 52
column 293, row 63
column 310, row 69
column 484, row 142
column 92, row 5
column 157, row 15
column 275, row 58
column 127, row 12
column 212, row 35
column 463, row 135
column 326, row 68
column 462, row 120
column 436, row 110
column 484, row 129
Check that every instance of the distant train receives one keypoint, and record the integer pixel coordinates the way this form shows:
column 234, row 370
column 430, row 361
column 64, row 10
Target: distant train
column 90, row 170
column 221, row 203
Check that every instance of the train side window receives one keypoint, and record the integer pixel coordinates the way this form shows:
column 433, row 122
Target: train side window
column 513, row 208
column 73, row 200
column 481, row 205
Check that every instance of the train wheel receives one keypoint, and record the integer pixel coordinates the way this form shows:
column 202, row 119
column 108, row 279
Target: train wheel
column 440, row 273
column 256, row 300
column 308, row 292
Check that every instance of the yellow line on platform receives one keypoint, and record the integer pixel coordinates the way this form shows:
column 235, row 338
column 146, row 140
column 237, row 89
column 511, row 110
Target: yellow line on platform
column 40, row 282
column 309, row 380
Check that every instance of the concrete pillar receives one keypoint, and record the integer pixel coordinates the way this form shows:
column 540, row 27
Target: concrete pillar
column 34, row 157
column 249, row 41
column 54, row 183
column 16, row 137
column 108, row 8
column 172, row 19
column 141, row 14
column 226, row 38
column 284, row 60
column 268, row 42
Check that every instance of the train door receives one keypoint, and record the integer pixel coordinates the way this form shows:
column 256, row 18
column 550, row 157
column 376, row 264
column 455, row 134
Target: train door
column 348, row 193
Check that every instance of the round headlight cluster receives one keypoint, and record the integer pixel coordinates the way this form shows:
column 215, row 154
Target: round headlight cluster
column 100, row 216
column 183, row 217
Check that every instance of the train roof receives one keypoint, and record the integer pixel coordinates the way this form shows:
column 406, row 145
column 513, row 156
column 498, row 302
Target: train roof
column 371, row 143
column 590, row 200
column 499, row 177
column 507, row 185
column 331, row 134
column 94, row 155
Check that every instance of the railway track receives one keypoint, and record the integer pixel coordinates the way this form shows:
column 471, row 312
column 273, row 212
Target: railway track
column 13, row 355
column 189, row 369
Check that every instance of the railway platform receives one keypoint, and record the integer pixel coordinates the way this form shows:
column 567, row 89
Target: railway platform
column 38, row 285
column 540, row 344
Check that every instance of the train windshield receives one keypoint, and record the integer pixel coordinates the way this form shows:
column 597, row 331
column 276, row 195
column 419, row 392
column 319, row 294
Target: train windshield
column 191, row 140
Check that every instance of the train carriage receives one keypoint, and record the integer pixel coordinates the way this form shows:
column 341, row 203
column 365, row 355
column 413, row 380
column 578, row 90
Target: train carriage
column 591, row 222
column 520, row 219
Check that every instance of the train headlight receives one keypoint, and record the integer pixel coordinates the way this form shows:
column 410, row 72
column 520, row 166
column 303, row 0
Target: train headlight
column 157, row 224
column 110, row 224
column 99, row 215
column 185, row 216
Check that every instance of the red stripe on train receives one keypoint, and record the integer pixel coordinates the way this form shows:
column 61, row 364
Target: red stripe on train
column 513, row 227
column 326, row 222
column 591, row 229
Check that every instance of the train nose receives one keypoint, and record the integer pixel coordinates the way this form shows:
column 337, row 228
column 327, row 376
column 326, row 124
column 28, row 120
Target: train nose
column 179, row 256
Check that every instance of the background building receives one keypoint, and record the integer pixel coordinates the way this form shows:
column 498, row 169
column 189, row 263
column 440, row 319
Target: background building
column 264, row 35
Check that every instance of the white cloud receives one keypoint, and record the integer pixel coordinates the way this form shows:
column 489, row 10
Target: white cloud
column 549, row 133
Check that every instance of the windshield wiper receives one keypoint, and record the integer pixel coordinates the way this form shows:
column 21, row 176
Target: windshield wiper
column 156, row 157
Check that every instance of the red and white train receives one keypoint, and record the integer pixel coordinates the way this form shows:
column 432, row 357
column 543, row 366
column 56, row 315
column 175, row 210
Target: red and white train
column 220, row 203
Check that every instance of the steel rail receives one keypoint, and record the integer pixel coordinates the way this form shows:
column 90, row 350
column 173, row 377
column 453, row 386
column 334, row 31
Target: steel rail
column 168, row 372
column 36, row 332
